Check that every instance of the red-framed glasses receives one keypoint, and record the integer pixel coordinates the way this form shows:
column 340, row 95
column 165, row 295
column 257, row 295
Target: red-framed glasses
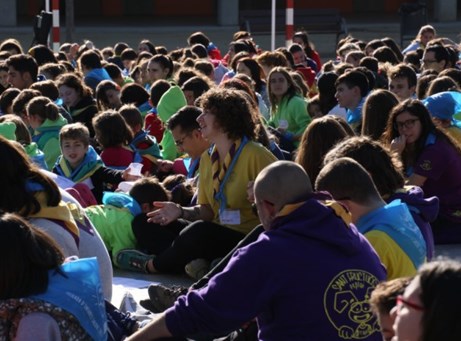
column 401, row 301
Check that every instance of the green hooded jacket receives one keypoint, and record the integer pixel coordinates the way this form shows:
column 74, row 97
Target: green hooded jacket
column 169, row 104
column 47, row 138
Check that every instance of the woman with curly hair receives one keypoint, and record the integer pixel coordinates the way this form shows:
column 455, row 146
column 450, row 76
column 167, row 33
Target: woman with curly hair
column 223, row 215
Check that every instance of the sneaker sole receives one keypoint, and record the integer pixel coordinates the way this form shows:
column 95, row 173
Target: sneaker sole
column 131, row 264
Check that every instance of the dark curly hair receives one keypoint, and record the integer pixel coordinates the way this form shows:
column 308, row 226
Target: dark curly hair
column 232, row 111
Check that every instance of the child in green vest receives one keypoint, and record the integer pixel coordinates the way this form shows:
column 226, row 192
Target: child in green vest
column 14, row 129
column 113, row 218
column 46, row 122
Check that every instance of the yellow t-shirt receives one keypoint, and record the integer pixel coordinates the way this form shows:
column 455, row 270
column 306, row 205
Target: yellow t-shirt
column 253, row 158
column 397, row 262
column 454, row 132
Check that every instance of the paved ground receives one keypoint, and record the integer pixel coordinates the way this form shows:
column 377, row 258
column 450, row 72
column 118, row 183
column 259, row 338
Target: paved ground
column 451, row 251
column 138, row 288
column 175, row 36
column 139, row 293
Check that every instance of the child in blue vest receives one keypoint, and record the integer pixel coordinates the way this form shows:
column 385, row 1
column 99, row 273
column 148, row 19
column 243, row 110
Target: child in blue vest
column 80, row 163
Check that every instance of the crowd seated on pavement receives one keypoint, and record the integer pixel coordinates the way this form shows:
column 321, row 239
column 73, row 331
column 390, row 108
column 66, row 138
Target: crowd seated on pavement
column 287, row 186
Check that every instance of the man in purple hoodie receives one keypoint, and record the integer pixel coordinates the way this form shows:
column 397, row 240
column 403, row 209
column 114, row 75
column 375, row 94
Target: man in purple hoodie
column 308, row 276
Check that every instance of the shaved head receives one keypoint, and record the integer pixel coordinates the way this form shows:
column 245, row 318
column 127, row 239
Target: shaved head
column 281, row 183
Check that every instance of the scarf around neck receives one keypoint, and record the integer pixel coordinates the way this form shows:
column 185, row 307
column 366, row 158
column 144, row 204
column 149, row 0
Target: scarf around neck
column 221, row 173
column 60, row 215
column 90, row 164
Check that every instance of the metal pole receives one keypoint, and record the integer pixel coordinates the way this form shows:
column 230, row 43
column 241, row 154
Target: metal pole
column 273, row 26
column 47, row 9
column 56, row 37
column 70, row 24
column 289, row 22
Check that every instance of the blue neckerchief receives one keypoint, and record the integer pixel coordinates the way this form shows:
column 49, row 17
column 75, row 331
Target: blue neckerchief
column 91, row 162
column 32, row 186
column 220, row 197
column 211, row 46
column 152, row 150
column 145, row 107
column 193, row 168
column 99, row 73
column 78, row 291
column 355, row 115
column 143, row 135
column 122, row 200
column 430, row 140
column 39, row 160
column 153, row 111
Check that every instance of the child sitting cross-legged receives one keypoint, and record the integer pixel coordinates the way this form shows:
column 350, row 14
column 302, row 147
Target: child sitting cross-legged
column 113, row 218
column 80, row 163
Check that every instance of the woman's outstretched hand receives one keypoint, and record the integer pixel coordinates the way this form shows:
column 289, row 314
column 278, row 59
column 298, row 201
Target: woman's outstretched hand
column 165, row 213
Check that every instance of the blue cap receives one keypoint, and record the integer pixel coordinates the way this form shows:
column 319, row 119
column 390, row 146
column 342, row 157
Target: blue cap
column 444, row 105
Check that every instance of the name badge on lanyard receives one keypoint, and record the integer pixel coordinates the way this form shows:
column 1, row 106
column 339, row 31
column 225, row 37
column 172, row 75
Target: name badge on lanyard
column 229, row 217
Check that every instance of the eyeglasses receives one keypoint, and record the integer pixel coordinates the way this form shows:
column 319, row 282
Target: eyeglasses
column 180, row 142
column 407, row 124
column 427, row 62
column 402, row 301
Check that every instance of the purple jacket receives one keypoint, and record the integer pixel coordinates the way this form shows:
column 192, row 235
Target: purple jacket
column 308, row 278
column 423, row 210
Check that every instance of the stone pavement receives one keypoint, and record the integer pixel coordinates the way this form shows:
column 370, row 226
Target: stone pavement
column 450, row 251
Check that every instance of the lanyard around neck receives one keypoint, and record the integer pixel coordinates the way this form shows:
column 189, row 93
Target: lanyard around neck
column 219, row 196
